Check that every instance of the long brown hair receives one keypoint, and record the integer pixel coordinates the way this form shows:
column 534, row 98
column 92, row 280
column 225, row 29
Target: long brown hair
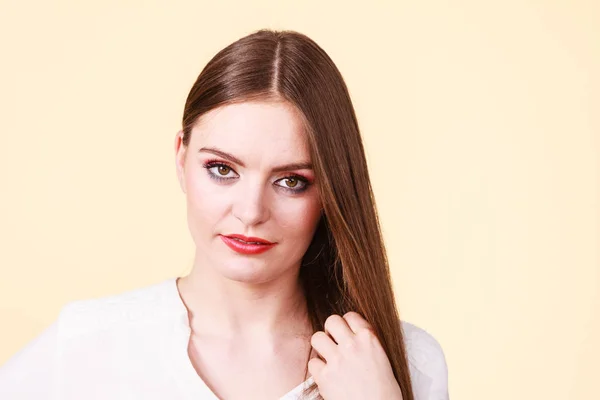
column 345, row 267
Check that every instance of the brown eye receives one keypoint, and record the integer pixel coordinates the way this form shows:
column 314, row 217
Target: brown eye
column 292, row 182
column 223, row 169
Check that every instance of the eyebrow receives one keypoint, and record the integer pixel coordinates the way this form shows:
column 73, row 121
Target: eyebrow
column 232, row 158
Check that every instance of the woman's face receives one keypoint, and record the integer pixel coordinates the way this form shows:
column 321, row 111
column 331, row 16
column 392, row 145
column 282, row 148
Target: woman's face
column 247, row 171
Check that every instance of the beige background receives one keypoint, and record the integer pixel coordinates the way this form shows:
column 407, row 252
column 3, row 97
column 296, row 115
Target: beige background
column 481, row 125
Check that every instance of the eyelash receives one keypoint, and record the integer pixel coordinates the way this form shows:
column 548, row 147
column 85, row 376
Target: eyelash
column 208, row 165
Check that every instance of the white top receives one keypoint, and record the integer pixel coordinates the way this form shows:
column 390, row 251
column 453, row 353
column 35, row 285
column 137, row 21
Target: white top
column 134, row 346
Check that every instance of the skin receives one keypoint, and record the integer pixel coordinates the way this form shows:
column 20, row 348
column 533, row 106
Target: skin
column 352, row 362
column 249, row 310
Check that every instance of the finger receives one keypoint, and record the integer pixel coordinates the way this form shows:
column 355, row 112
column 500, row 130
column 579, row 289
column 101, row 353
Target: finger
column 356, row 322
column 323, row 345
column 337, row 327
column 315, row 367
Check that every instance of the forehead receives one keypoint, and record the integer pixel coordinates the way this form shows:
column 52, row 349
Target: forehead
column 270, row 130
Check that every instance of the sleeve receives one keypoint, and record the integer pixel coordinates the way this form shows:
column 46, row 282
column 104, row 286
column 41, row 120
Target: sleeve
column 427, row 364
column 29, row 374
column 437, row 370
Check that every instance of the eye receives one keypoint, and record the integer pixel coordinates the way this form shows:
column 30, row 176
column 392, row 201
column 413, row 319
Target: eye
column 222, row 169
column 293, row 183
column 219, row 170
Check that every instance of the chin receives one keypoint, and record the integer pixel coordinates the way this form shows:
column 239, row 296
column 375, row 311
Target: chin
column 246, row 271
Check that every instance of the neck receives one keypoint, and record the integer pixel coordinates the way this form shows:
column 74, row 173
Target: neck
column 226, row 308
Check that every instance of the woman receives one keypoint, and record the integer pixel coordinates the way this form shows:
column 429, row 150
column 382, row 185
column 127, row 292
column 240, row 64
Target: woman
column 290, row 295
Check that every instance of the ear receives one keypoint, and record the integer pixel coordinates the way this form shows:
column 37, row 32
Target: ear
column 180, row 152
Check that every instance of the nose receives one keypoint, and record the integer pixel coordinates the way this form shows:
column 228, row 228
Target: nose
column 250, row 205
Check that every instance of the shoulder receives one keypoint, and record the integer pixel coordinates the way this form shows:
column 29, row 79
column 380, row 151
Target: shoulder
column 427, row 363
column 135, row 306
column 29, row 373
column 422, row 348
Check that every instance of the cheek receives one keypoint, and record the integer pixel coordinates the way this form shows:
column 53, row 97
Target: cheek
column 204, row 204
column 299, row 220
column 298, row 224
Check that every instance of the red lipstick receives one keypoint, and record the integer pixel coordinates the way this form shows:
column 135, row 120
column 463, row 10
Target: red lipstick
column 247, row 245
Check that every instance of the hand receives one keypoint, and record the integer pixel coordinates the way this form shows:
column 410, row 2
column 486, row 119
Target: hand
column 352, row 363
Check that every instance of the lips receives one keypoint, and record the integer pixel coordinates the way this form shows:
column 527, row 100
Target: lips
column 247, row 245
column 248, row 239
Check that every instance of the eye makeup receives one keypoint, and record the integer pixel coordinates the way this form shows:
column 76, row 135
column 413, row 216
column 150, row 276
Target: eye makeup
column 213, row 164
